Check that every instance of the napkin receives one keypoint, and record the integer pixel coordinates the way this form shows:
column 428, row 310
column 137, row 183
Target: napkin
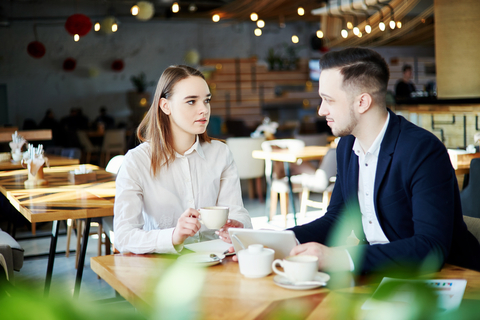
column 82, row 169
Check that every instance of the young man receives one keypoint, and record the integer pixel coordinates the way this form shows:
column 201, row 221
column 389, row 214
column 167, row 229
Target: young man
column 405, row 86
column 397, row 174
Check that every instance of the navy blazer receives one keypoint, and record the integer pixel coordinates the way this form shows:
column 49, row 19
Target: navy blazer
column 417, row 202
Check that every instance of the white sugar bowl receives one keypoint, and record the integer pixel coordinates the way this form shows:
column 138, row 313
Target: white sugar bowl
column 256, row 261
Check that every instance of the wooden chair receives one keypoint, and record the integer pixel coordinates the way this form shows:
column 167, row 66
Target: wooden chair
column 114, row 142
column 87, row 145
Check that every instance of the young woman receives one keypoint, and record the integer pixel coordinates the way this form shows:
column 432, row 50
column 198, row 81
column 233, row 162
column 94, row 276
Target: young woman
column 176, row 169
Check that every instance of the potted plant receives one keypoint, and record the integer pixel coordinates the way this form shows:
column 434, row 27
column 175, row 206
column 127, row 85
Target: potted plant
column 139, row 100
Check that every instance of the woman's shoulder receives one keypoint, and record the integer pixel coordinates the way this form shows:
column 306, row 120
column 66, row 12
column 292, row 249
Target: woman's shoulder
column 142, row 151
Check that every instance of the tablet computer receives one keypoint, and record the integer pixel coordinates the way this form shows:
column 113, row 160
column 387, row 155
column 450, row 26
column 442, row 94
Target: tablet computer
column 281, row 241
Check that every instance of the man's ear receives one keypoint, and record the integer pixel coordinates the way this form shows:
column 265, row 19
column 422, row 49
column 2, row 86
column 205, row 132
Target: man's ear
column 364, row 102
column 165, row 106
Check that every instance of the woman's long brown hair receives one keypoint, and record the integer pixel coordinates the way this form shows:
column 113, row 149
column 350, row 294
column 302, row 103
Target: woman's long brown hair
column 155, row 126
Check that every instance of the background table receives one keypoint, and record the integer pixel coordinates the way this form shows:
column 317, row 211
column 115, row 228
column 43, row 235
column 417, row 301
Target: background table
column 227, row 294
column 53, row 161
column 61, row 200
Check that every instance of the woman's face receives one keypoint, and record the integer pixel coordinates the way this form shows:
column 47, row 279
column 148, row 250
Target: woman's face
column 189, row 106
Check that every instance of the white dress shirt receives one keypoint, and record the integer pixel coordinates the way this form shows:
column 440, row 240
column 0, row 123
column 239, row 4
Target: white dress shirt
column 147, row 208
column 367, row 164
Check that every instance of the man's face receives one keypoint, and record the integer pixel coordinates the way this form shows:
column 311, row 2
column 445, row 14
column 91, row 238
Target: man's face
column 337, row 105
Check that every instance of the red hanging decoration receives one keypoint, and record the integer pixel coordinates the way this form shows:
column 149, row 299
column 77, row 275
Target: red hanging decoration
column 118, row 65
column 69, row 64
column 36, row 49
column 78, row 24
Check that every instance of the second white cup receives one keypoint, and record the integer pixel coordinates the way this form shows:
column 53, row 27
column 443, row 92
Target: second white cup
column 297, row 268
column 214, row 217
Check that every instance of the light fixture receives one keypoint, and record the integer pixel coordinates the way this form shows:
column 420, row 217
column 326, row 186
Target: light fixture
column 381, row 26
column 359, row 34
column 258, row 32
column 295, row 39
column 392, row 24
column 300, row 11
column 134, row 10
column 253, row 16
column 344, row 33
column 96, row 27
column 260, row 23
column 76, row 38
column 399, row 24
column 368, row 28
column 216, row 18
column 320, row 34
column 175, row 7
column 192, row 7
column 106, row 25
column 349, row 25
column 115, row 27
column 356, row 31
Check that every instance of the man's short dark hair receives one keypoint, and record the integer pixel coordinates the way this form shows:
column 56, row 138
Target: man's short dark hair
column 361, row 68
column 406, row 67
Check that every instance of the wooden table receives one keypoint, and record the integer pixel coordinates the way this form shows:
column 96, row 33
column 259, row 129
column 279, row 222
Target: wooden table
column 225, row 293
column 61, row 200
column 286, row 156
column 53, row 160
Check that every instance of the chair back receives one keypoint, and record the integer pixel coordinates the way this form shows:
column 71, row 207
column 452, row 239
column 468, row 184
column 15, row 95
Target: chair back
column 321, row 179
column 315, row 139
column 114, row 140
column 290, row 144
column 469, row 196
column 242, row 148
column 85, row 141
column 473, row 225
column 114, row 164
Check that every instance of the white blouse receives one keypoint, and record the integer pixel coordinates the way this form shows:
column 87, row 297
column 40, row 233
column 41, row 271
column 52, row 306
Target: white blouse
column 147, row 208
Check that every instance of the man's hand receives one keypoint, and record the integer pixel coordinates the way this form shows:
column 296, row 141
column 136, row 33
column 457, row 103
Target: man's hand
column 329, row 259
column 187, row 226
column 223, row 232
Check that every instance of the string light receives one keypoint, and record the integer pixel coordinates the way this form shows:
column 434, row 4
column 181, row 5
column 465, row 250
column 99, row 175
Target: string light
column 392, row 24
column 359, row 34
column 175, row 7
column 76, row 37
column 300, row 11
column 253, row 16
column 368, row 28
column 215, row 18
column 349, row 25
column 320, row 34
column 114, row 27
column 356, row 31
column 381, row 26
column 399, row 24
column 134, row 10
column 258, row 32
column 260, row 23
column 344, row 33
column 96, row 27
column 295, row 39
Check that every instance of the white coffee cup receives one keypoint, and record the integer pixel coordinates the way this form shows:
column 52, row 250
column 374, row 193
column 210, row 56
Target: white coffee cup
column 213, row 217
column 256, row 261
column 297, row 268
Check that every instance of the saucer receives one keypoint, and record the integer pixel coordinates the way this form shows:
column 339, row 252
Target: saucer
column 287, row 284
column 201, row 258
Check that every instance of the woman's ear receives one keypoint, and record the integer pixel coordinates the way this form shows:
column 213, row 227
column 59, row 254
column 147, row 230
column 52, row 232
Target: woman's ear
column 165, row 106
column 364, row 102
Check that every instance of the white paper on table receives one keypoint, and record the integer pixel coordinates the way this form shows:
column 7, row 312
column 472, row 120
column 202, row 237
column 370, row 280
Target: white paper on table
column 216, row 245
column 449, row 292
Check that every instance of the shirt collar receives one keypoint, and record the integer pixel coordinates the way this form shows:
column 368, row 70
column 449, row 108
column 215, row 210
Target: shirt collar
column 197, row 146
column 375, row 147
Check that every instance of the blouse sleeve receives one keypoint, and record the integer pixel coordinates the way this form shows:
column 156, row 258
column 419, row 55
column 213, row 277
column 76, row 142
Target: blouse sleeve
column 128, row 215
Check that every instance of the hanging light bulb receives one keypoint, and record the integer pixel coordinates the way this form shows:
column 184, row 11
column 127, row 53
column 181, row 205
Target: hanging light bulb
column 260, row 23
column 175, row 7
column 253, row 16
column 258, row 32
column 381, row 26
column 344, row 33
column 320, row 34
column 399, row 24
column 295, row 39
column 368, row 28
column 96, row 27
column 300, row 11
column 215, row 18
column 115, row 27
column 76, row 38
column 134, row 10
column 359, row 34
column 392, row 24
column 349, row 25
column 356, row 31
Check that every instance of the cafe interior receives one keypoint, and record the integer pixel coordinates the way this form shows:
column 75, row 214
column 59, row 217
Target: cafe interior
column 76, row 79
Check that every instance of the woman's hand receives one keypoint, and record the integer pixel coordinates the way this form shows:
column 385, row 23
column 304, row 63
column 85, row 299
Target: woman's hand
column 187, row 226
column 223, row 232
